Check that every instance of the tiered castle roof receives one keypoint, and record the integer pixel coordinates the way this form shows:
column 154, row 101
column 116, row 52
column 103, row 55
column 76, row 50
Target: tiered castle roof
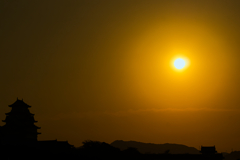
column 19, row 124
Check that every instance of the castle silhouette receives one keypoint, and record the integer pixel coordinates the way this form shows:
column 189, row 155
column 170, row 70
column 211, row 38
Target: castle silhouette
column 20, row 130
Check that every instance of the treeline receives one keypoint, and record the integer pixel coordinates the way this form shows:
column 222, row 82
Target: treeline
column 90, row 150
column 93, row 150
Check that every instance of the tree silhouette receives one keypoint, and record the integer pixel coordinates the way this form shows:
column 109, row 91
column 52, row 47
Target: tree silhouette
column 96, row 150
column 167, row 151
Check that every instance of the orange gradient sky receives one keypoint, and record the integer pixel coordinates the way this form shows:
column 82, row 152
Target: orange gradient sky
column 103, row 70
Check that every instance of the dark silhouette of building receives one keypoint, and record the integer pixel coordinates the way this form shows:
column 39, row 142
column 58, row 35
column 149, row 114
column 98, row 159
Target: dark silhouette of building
column 19, row 127
column 54, row 145
column 208, row 153
column 20, row 130
column 208, row 150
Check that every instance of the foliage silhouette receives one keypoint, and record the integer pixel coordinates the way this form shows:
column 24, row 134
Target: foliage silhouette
column 167, row 151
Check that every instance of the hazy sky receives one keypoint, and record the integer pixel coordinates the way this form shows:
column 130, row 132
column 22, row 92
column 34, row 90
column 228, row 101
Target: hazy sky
column 100, row 69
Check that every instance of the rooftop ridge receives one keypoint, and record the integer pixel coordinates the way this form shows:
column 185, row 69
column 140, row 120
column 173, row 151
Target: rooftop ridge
column 19, row 103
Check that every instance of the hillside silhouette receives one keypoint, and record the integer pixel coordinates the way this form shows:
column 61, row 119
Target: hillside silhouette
column 155, row 148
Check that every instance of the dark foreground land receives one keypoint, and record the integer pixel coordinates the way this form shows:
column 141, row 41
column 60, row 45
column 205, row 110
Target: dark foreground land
column 94, row 150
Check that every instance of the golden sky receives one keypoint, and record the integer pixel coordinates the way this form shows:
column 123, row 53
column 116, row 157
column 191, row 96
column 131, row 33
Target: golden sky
column 102, row 70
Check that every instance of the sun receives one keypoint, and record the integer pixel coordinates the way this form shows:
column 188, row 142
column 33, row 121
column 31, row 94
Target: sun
column 179, row 63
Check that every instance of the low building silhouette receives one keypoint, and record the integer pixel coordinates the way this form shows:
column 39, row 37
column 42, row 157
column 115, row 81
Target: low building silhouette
column 208, row 150
column 54, row 145
column 208, row 153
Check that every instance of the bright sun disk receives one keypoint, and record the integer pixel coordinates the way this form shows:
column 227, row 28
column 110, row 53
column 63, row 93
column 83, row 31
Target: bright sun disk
column 179, row 63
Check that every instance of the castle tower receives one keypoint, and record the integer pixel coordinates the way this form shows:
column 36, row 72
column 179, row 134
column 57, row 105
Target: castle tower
column 19, row 127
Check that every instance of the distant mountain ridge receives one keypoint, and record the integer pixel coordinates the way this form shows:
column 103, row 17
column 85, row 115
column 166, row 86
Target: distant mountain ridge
column 155, row 148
